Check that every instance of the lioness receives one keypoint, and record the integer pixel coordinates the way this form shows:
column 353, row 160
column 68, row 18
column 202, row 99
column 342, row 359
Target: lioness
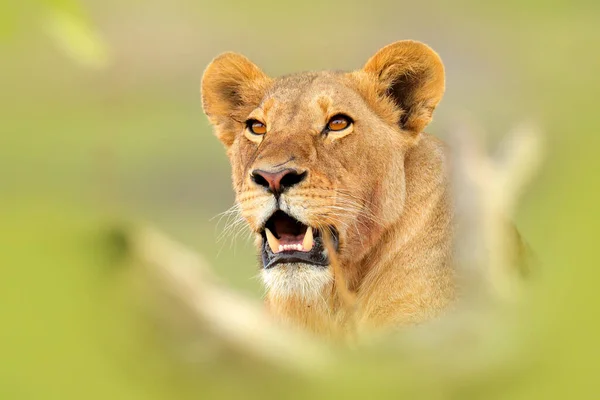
column 341, row 153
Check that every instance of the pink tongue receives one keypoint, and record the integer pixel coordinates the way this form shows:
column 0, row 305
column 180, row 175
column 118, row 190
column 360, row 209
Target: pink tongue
column 290, row 239
column 289, row 232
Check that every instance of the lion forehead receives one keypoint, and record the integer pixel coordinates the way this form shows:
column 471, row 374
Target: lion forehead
column 311, row 95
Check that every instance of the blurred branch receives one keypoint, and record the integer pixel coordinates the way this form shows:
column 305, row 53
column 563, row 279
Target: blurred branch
column 487, row 190
column 231, row 318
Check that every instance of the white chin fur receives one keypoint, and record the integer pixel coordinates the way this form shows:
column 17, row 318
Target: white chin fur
column 297, row 280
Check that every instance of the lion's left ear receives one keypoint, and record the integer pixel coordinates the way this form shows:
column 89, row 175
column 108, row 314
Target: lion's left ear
column 412, row 75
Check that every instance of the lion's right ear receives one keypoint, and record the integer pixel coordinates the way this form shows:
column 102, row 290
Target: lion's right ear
column 231, row 87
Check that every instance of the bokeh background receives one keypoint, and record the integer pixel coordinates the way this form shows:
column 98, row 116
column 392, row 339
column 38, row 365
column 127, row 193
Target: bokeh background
column 100, row 122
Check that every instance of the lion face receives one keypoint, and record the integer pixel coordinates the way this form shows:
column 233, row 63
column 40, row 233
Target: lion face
column 317, row 154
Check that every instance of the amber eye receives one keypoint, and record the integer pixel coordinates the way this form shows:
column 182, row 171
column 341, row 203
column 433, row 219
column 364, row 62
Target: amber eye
column 339, row 123
column 256, row 127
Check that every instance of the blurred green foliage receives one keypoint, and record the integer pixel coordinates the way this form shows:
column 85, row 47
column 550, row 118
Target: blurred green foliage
column 101, row 123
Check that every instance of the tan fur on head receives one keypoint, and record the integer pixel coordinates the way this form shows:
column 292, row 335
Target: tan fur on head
column 382, row 184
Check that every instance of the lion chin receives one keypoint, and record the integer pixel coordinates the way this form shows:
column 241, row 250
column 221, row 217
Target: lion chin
column 304, row 282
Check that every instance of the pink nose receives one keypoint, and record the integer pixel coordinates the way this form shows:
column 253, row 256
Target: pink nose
column 279, row 181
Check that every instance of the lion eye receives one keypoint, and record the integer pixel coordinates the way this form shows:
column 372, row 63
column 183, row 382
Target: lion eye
column 339, row 123
column 256, row 127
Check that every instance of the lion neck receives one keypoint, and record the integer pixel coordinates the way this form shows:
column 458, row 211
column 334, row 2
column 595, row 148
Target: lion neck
column 427, row 210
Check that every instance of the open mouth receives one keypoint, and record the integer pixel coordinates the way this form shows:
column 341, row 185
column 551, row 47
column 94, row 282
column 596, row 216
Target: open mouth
column 287, row 240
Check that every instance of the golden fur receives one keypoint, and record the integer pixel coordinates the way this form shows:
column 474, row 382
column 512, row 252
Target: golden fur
column 383, row 185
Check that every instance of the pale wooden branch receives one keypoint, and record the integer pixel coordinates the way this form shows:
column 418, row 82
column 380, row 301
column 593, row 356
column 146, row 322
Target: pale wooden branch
column 487, row 190
column 231, row 318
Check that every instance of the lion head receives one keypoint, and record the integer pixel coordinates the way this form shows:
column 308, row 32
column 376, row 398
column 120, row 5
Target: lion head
column 321, row 152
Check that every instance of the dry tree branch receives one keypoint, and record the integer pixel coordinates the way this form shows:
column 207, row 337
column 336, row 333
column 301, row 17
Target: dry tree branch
column 486, row 193
column 231, row 318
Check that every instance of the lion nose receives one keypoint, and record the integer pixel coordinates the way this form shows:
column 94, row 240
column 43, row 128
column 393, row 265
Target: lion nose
column 278, row 182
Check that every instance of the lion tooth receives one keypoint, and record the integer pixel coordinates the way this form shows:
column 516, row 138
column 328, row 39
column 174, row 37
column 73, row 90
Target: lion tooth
column 307, row 243
column 273, row 242
column 280, row 248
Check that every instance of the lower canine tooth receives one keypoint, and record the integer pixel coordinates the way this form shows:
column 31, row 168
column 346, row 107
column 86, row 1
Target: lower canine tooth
column 307, row 243
column 273, row 242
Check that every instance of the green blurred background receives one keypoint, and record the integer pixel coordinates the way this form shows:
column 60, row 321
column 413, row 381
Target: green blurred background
column 100, row 122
